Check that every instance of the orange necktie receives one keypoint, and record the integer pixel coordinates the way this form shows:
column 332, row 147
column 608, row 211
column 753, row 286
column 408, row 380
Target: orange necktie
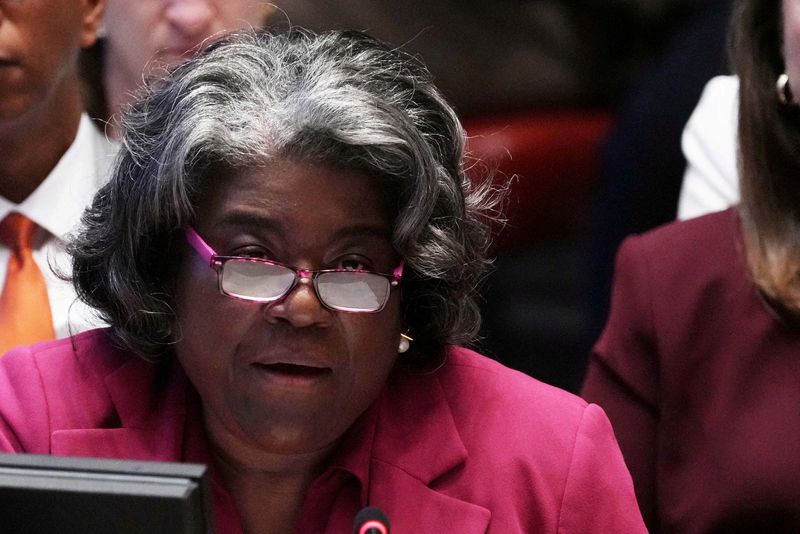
column 24, row 308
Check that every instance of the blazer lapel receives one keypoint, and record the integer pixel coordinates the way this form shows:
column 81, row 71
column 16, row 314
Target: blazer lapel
column 150, row 401
column 416, row 445
column 414, row 507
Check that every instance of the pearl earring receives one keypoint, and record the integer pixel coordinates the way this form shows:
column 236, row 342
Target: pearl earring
column 405, row 343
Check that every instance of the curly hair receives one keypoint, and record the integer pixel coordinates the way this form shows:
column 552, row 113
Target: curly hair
column 769, row 153
column 340, row 98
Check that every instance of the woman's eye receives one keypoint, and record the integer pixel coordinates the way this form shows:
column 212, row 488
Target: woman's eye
column 353, row 264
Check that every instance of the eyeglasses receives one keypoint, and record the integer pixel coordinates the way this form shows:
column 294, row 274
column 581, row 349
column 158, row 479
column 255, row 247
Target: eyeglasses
column 260, row 280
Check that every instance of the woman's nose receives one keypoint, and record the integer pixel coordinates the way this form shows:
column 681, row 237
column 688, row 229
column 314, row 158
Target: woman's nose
column 192, row 18
column 301, row 307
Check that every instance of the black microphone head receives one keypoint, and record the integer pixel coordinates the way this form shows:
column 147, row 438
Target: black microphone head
column 371, row 520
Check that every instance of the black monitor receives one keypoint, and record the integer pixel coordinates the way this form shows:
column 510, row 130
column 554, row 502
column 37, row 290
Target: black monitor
column 43, row 494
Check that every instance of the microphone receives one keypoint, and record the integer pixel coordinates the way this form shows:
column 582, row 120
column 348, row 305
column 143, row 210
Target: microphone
column 371, row 520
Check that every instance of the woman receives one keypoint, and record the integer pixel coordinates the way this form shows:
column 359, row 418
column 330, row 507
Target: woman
column 287, row 254
column 698, row 365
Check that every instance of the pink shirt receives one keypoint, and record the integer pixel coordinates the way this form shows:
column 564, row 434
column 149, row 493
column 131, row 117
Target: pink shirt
column 472, row 447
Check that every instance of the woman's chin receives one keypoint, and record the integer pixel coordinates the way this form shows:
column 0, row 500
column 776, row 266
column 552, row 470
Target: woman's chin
column 292, row 424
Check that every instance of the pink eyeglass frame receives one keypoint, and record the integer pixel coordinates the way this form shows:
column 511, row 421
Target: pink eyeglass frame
column 303, row 276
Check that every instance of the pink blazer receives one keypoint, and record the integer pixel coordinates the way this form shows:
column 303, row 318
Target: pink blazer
column 473, row 447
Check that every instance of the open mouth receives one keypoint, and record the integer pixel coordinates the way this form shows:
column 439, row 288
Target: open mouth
column 289, row 369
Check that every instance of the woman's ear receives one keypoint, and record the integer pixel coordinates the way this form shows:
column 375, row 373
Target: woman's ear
column 92, row 18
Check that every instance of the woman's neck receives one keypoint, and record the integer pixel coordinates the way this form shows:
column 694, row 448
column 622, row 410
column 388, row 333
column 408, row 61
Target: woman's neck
column 267, row 502
column 269, row 488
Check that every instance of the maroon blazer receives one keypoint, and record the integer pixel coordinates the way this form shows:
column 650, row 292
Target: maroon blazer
column 473, row 447
column 701, row 381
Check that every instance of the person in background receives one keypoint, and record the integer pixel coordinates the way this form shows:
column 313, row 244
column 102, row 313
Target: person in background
column 143, row 38
column 288, row 254
column 52, row 161
column 697, row 366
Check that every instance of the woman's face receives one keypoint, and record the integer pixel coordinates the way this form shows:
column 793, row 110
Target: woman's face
column 168, row 31
column 791, row 43
column 290, row 376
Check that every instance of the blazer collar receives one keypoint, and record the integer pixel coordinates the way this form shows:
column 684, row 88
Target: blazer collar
column 416, row 431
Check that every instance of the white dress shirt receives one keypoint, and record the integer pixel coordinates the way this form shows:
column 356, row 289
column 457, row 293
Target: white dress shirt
column 56, row 206
column 710, row 144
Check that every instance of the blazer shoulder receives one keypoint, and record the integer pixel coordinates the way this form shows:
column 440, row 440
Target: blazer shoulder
column 539, row 444
column 684, row 266
column 497, row 408
column 666, row 283
column 56, row 385
column 714, row 233
column 476, row 378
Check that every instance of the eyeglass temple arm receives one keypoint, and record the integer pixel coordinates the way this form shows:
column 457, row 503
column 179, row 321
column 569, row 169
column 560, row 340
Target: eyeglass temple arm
column 197, row 243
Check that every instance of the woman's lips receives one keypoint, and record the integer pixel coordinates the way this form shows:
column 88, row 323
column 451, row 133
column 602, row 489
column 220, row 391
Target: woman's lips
column 11, row 74
column 293, row 369
column 7, row 62
column 293, row 375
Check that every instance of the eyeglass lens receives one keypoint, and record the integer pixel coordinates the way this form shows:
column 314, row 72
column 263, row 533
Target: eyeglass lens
column 345, row 291
column 353, row 291
column 255, row 280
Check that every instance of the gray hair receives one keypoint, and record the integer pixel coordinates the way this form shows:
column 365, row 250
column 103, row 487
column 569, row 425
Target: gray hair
column 340, row 98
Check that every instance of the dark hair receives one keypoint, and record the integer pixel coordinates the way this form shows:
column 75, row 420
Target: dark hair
column 341, row 98
column 769, row 153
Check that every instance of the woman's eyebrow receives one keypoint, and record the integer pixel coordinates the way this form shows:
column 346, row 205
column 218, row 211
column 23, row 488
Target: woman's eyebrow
column 248, row 220
column 364, row 231
column 251, row 221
